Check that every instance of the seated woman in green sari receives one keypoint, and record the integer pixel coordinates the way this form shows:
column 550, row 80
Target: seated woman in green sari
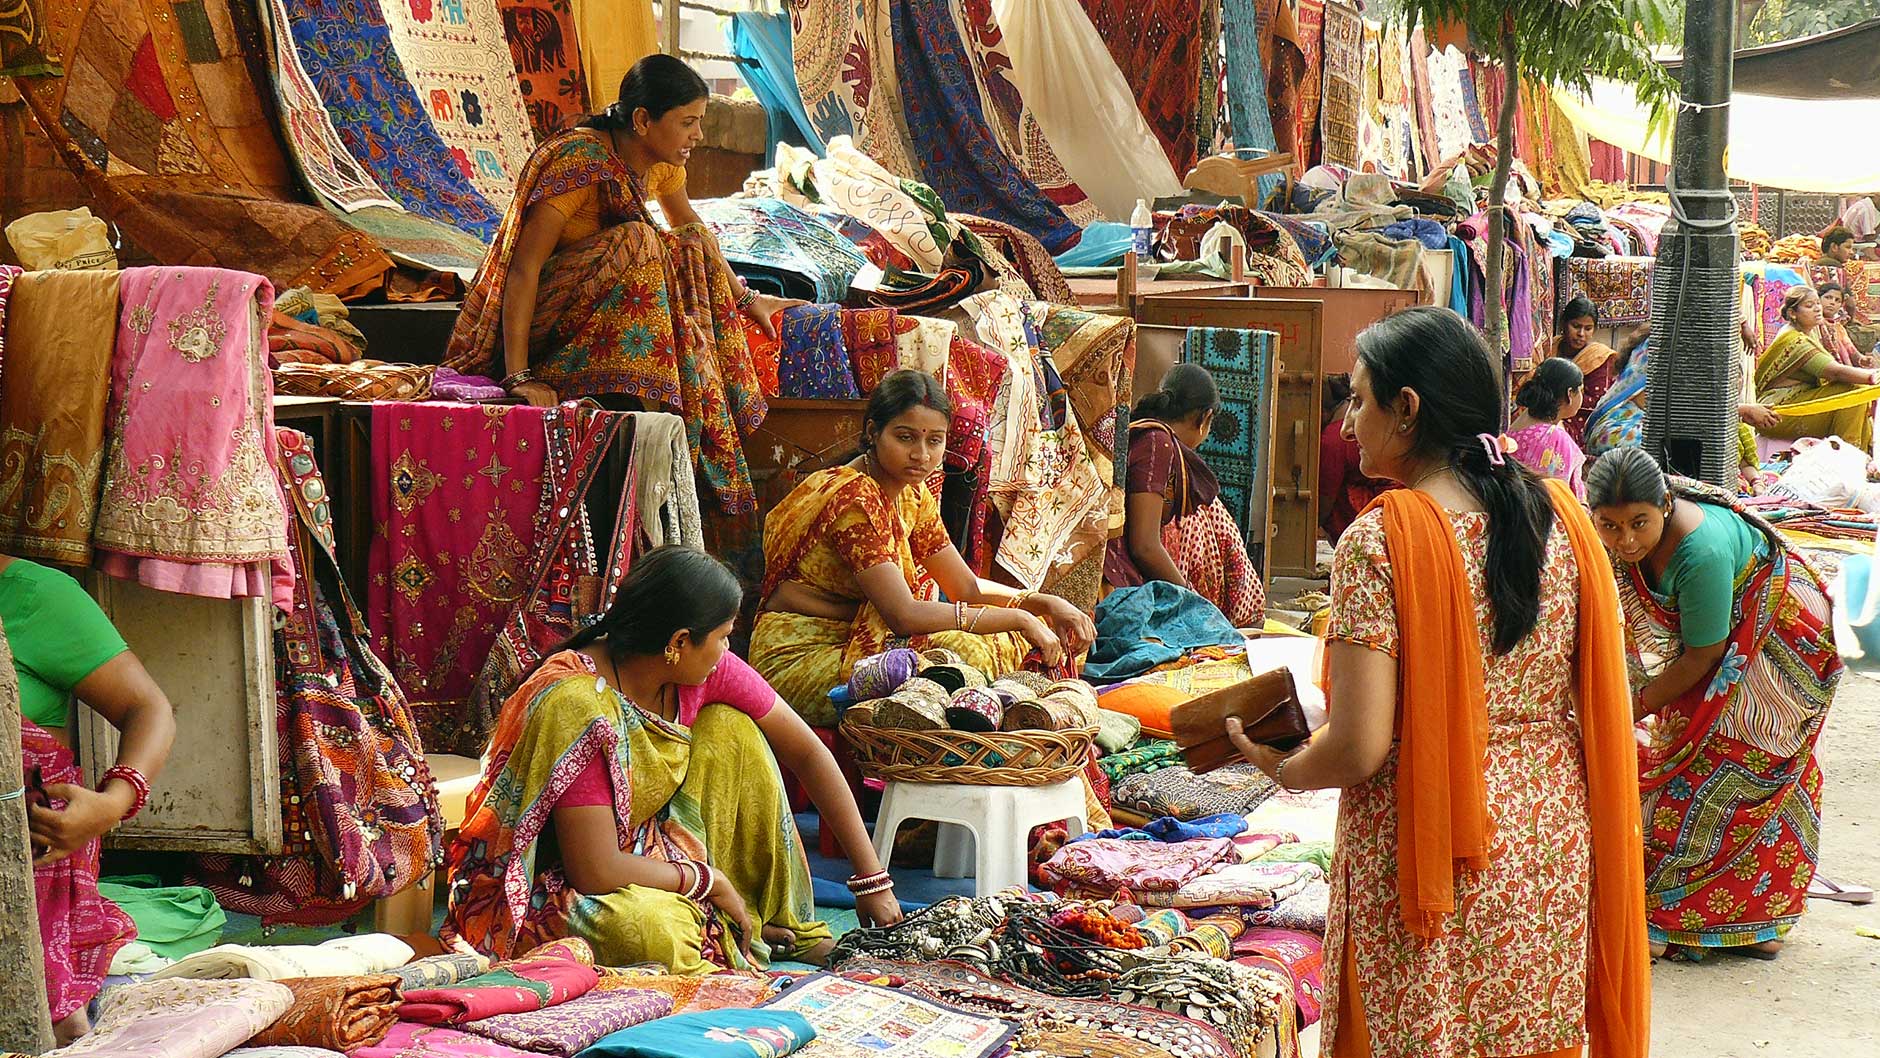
column 631, row 796
column 1814, row 394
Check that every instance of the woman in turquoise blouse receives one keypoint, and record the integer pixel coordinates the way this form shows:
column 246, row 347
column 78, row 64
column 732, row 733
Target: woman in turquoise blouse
column 61, row 645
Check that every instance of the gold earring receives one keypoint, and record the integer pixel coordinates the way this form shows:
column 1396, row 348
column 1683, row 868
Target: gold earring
column 672, row 655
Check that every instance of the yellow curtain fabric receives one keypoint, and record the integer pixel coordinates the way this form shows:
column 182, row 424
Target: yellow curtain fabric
column 614, row 35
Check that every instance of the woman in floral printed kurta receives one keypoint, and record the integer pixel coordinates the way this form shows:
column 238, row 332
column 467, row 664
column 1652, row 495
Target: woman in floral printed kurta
column 1480, row 731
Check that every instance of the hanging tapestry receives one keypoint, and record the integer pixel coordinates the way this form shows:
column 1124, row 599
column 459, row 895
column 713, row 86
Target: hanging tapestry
column 547, row 59
column 1241, row 441
column 955, row 149
column 326, row 166
column 1158, row 46
column 1208, row 93
column 1471, row 101
column 360, row 811
column 346, row 49
column 163, row 121
column 455, row 493
column 1619, row 287
column 454, row 53
column 1448, row 111
column 190, row 501
column 1283, row 61
column 790, row 252
column 1311, row 23
column 1421, row 98
column 1343, row 100
column 23, row 41
column 1246, row 79
column 1033, row 262
column 846, row 71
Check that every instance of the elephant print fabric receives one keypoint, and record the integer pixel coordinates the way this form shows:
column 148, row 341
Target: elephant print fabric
column 547, row 58
column 455, row 55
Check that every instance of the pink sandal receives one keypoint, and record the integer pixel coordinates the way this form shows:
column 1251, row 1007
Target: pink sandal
column 1823, row 889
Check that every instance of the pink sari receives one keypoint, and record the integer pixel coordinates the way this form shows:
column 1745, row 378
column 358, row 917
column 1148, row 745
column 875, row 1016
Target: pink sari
column 190, row 501
column 80, row 930
column 1547, row 449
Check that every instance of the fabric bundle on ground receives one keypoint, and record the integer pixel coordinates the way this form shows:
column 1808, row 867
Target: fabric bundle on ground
column 181, row 1019
column 340, row 1013
column 190, row 502
column 1179, row 792
column 408, row 1039
column 171, row 921
column 568, row 1027
column 438, row 971
column 719, row 1034
column 345, row 957
column 547, row 976
column 711, row 992
column 848, row 1014
column 1107, row 865
column 1245, row 885
column 60, row 328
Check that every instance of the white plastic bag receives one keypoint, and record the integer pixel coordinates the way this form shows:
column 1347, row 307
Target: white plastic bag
column 64, row 239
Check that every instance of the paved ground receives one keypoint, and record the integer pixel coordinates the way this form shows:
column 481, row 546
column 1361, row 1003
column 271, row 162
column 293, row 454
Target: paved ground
column 1821, row 998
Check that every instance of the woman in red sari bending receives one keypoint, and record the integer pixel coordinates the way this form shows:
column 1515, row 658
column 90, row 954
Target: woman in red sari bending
column 583, row 294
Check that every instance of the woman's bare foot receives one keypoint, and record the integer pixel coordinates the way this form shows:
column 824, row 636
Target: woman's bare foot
column 1658, row 950
column 1769, row 947
column 71, row 1027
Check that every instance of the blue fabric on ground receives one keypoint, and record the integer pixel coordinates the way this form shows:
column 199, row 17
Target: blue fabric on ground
column 1170, row 830
column 728, row 1033
column 1141, row 627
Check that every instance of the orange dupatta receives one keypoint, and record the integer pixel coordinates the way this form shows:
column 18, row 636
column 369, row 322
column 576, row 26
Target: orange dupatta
column 1442, row 802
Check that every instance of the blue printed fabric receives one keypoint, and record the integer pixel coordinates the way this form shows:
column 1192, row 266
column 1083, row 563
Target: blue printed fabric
column 1241, row 443
column 1170, row 830
column 1152, row 624
column 1246, row 87
column 814, row 359
column 347, row 50
column 729, row 1033
column 953, row 144
column 795, row 253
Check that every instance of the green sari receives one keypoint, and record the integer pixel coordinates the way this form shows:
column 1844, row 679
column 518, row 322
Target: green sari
column 711, row 792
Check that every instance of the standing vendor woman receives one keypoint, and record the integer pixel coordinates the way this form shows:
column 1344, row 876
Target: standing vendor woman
column 1597, row 361
column 853, row 554
column 584, row 295
column 1733, row 665
column 63, row 644
column 631, row 795
column 1175, row 527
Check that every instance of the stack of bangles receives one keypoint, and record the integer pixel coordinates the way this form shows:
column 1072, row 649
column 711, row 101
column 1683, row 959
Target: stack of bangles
column 140, row 786
column 703, row 879
column 746, row 298
column 870, row 884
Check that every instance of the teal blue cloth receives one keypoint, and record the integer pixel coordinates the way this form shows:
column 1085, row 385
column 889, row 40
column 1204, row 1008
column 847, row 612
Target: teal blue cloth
column 1104, row 243
column 1141, row 627
column 764, row 52
column 1247, row 106
column 709, row 1034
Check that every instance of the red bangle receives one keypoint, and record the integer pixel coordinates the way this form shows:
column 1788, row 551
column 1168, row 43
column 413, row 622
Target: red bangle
column 140, row 786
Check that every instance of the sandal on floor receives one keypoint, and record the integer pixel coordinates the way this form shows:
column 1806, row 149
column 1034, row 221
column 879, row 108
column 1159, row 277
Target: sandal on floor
column 1823, row 889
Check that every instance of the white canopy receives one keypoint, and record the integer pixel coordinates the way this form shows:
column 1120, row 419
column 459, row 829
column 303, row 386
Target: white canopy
column 1795, row 144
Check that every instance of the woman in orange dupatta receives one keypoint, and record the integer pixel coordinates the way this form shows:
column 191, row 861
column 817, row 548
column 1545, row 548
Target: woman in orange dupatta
column 1487, row 890
column 584, row 295
column 1597, row 361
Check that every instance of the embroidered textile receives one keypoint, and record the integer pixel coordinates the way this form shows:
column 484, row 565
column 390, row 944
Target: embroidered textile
column 846, row 71
column 794, row 253
column 80, row 931
column 1033, row 262
column 548, row 976
column 1181, row 793
column 813, row 361
column 163, row 122
column 456, row 489
column 190, row 500
column 1158, row 46
column 1109, row 865
column 717, row 1034
column 360, row 816
column 326, row 165
column 348, row 50
column 1240, row 446
column 870, row 336
column 954, row 146
column 408, row 1039
column 1296, row 954
column 546, row 53
column 338, row 1013
column 1451, row 131
column 23, row 46
column 851, row 1017
column 1311, row 21
column 439, row 971
column 351, row 956
column 853, row 182
column 60, row 327
column 1619, row 287
column 419, row 241
column 181, row 1019
column 1342, row 100
column 1244, row 885
column 568, row 1027
column 713, row 992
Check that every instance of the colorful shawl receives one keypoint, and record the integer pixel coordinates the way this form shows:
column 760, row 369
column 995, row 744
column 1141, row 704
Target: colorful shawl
column 52, row 411
column 1619, row 420
column 1158, row 46
column 190, row 501
column 338, row 1013
column 954, row 145
column 1548, row 450
column 23, row 46
column 847, row 74
column 360, row 814
column 547, row 60
column 1731, row 785
column 548, row 976
column 348, row 49
column 571, row 1026
column 79, row 930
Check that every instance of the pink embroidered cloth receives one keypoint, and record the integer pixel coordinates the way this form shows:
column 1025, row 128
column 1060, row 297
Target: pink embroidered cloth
column 190, row 501
column 455, row 491
column 411, row 1040
column 1112, row 864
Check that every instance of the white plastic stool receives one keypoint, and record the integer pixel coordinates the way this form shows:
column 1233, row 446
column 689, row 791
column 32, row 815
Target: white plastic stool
column 999, row 818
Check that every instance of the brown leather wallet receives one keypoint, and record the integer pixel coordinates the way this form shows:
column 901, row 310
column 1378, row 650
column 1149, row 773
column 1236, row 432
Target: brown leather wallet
column 1269, row 711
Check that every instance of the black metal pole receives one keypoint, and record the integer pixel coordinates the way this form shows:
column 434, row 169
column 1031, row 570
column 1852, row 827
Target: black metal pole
column 1696, row 366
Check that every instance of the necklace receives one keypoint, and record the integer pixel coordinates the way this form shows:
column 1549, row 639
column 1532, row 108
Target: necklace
column 1445, row 468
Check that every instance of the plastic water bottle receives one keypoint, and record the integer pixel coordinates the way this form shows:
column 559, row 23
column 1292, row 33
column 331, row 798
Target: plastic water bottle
column 1141, row 229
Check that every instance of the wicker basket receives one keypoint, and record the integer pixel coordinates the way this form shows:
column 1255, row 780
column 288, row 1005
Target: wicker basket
column 966, row 758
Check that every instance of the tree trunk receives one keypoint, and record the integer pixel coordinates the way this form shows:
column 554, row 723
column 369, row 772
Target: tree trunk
column 25, row 1024
column 1494, row 288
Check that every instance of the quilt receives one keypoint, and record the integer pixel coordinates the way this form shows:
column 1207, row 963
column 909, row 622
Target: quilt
column 1343, row 100
column 1619, row 287
column 1241, row 441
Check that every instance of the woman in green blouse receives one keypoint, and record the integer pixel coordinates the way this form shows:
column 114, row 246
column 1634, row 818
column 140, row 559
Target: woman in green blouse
column 63, row 645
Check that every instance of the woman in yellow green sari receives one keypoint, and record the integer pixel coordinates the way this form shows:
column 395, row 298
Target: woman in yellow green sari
column 856, row 555
column 1814, row 394
column 631, row 796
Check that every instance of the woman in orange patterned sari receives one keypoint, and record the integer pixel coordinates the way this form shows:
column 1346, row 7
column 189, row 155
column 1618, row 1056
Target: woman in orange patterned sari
column 584, row 295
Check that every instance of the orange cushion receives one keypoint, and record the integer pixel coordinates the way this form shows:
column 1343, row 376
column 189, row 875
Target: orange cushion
column 1147, row 702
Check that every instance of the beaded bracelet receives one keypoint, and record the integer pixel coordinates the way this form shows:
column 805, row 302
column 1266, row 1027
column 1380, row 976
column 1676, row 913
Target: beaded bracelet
column 746, row 299
column 140, row 786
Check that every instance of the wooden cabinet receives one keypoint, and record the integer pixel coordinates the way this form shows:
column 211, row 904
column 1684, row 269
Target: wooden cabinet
column 214, row 658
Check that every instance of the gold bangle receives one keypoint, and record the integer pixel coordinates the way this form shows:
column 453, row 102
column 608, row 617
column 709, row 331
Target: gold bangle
column 974, row 623
column 1018, row 601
